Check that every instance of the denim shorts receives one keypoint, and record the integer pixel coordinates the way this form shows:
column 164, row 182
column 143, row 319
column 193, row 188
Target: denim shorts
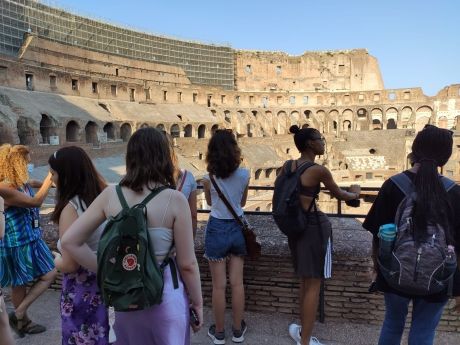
column 223, row 238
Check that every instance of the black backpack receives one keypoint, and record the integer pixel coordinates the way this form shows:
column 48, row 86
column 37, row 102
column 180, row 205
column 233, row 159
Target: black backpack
column 287, row 210
column 128, row 274
column 418, row 268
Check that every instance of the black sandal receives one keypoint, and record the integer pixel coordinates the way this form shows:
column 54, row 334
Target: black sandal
column 16, row 324
column 31, row 327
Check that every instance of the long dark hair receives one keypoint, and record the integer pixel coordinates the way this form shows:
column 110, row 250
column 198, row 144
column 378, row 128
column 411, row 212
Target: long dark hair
column 224, row 155
column 148, row 160
column 301, row 136
column 76, row 176
column 431, row 149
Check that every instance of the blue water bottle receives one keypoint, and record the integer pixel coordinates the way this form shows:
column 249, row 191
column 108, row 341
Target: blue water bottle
column 387, row 235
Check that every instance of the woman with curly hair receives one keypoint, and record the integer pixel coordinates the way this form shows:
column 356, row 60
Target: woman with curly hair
column 24, row 256
column 7, row 338
column 224, row 239
column 83, row 314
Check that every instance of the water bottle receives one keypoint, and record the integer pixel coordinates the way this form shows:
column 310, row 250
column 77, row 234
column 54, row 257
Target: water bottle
column 387, row 235
column 450, row 264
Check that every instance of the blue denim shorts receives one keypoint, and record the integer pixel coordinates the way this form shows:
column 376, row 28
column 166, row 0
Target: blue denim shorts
column 223, row 238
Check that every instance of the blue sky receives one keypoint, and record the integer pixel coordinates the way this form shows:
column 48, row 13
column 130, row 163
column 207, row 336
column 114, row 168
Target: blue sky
column 417, row 43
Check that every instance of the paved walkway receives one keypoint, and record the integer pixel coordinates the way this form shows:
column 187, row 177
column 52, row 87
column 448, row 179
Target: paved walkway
column 263, row 329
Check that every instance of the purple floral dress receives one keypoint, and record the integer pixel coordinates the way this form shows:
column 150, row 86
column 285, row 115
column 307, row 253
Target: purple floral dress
column 84, row 316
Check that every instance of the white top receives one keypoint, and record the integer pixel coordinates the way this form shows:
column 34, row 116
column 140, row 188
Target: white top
column 189, row 184
column 233, row 188
column 161, row 238
column 93, row 240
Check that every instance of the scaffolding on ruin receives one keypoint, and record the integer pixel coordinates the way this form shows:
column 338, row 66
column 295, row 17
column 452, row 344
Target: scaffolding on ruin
column 204, row 64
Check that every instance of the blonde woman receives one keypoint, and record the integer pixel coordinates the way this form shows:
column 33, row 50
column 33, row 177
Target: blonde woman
column 24, row 256
column 6, row 338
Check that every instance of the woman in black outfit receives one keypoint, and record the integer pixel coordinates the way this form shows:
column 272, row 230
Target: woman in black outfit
column 312, row 251
column 431, row 149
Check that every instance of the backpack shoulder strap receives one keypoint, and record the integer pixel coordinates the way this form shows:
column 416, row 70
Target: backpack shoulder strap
column 288, row 167
column 152, row 194
column 403, row 182
column 304, row 166
column 448, row 183
column 121, row 197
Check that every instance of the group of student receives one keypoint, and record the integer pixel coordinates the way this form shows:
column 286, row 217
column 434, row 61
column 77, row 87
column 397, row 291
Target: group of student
column 84, row 203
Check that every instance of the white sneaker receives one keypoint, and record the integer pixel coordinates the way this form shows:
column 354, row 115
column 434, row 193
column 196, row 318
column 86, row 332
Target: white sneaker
column 294, row 332
column 315, row 341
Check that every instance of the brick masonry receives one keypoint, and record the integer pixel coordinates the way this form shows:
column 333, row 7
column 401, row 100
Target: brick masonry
column 272, row 287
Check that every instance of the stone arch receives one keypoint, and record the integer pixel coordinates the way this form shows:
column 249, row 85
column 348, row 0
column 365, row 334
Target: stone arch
column 424, row 111
column 347, row 117
column 442, row 122
column 307, row 113
column 251, row 129
column 201, row 131
column 346, row 126
column 214, row 128
column 72, row 131
column 320, row 118
column 257, row 174
column 269, row 207
column 175, row 131
column 91, row 129
column 160, row 126
column 391, row 115
column 457, row 123
column 146, row 125
column 26, row 131
column 227, row 116
column 188, row 131
column 278, row 171
column 362, row 113
column 343, row 166
column 282, row 121
column 305, row 125
column 269, row 172
column 391, row 124
column 125, row 131
column 377, row 118
column 406, row 116
column 363, row 121
column 254, row 113
column 47, row 129
column 420, row 122
column 295, row 117
column 109, row 129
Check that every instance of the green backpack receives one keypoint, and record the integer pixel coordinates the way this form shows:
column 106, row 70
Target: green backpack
column 128, row 274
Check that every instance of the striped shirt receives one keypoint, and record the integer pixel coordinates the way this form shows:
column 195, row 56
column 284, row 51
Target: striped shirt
column 19, row 222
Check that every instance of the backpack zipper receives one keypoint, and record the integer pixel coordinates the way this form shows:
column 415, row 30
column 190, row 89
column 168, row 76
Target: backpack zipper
column 419, row 254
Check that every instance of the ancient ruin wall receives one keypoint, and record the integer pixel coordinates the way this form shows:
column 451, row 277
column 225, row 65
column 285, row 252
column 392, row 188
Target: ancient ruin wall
column 353, row 70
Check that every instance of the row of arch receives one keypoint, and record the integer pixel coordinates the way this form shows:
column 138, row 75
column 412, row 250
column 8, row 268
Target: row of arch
column 259, row 124
column 111, row 131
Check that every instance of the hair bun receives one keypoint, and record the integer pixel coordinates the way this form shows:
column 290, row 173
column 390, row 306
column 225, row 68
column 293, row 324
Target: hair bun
column 294, row 129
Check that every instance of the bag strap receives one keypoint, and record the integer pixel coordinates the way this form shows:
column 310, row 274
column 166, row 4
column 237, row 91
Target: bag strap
column 405, row 184
column 184, row 176
column 144, row 202
column 225, row 201
column 447, row 183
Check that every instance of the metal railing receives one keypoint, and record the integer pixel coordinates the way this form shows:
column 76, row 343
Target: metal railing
column 365, row 191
